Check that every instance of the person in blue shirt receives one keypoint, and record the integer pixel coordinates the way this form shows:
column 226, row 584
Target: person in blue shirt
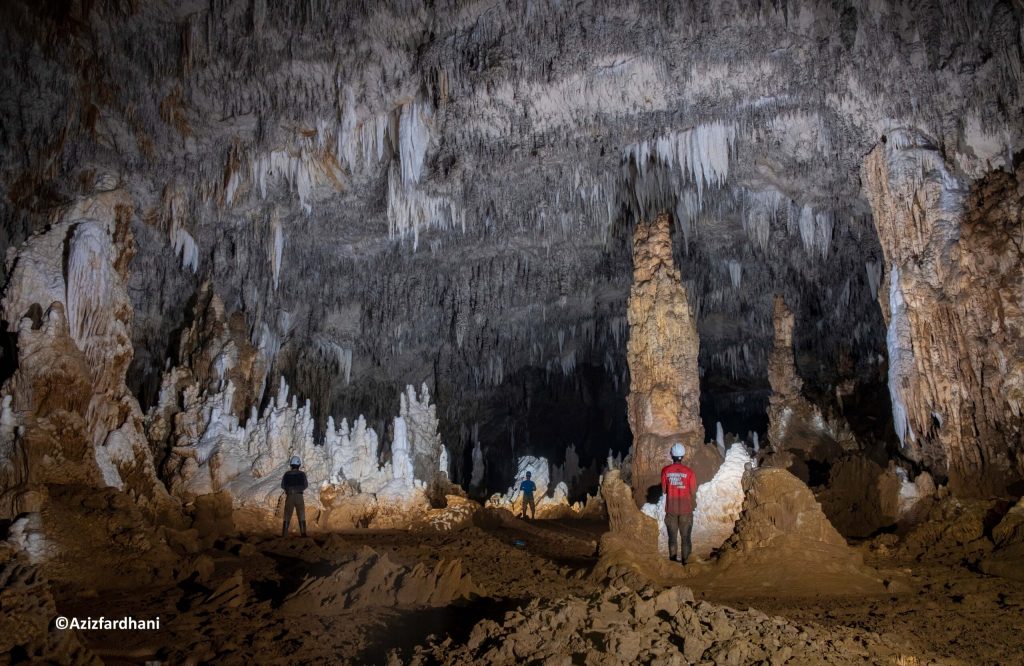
column 528, row 487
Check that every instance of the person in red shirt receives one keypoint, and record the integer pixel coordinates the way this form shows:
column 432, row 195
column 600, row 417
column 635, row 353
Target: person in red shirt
column 679, row 484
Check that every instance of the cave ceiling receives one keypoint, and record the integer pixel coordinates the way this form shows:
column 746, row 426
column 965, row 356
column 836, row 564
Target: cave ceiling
column 402, row 192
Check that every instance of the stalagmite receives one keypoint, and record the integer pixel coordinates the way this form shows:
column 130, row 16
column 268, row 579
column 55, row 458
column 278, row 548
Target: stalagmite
column 664, row 393
column 794, row 424
column 477, row 475
column 782, row 530
column 512, row 499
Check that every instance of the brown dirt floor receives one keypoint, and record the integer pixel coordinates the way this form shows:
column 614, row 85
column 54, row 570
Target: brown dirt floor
column 943, row 613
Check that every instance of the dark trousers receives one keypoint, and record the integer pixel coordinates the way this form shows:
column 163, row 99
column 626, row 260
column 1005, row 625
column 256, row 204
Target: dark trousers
column 528, row 502
column 294, row 502
column 679, row 525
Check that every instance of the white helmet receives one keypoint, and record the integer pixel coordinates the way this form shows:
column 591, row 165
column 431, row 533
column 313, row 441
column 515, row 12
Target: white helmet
column 678, row 450
column 295, row 461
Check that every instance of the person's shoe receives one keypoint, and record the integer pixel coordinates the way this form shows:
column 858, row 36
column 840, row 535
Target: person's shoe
column 302, row 527
column 284, row 529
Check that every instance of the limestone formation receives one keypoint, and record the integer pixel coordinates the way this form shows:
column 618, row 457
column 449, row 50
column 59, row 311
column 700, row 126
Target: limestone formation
column 1007, row 560
column 783, row 530
column 632, row 537
column 862, row 496
column 569, row 472
column 664, row 391
column 215, row 453
column 68, row 417
column 540, row 472
column 720, row 501
column 951, row 297
column 794, row 424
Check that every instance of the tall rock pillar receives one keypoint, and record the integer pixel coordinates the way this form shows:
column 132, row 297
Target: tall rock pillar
column 952, row 301
column 664, row 392
column 794, row 424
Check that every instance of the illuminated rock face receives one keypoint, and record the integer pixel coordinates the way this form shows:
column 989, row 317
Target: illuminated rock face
column 664, row 392
column 720, row 502
column 951, row 299
column 68, row 417
column 208, row 447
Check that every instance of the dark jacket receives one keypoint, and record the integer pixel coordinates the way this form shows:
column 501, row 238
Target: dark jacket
column 294, row 481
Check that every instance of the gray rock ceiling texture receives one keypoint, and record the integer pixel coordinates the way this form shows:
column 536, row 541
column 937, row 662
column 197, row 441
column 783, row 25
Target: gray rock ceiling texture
column 396, row 192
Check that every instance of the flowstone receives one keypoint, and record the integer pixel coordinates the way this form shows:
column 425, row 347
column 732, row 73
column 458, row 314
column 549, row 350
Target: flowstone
column 951, row 299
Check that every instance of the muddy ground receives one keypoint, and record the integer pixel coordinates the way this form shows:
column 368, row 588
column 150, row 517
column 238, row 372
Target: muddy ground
column 249, row 601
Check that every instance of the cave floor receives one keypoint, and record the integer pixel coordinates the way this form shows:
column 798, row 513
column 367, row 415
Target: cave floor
column 947, row 613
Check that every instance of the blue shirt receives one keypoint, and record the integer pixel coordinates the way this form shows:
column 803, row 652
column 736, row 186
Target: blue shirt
column 528, row 487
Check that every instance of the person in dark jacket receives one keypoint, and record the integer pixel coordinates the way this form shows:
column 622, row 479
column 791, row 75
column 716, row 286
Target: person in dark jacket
column 294, row 484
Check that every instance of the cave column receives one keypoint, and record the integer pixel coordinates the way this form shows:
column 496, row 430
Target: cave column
column 664, row 394
column 785, row 398
column 951, row 300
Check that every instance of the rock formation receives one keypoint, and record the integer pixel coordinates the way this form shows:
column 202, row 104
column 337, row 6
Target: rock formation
column 782, row 530
column 29, row 610
column 794, row 424
column 68, row 417
column 619, row 625
column 664, row 391
column 548, row 505
column 477, row 474
column 215, row 453
column 632, row 539
column 1007, row 560
column 568, row 472
column 951, row 297
column 719, row 502
column 861, row 497
column 197, row 424
column 371, row 579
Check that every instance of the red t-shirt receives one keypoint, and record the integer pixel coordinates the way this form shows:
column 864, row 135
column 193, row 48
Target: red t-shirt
column 680, row 486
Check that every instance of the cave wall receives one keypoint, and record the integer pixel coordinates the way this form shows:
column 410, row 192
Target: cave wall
column 952, row 300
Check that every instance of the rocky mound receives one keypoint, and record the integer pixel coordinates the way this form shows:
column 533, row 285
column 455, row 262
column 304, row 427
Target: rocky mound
column 861, row 497
column 954, row 531
column 784, row 543
column 371, row 579
column 632, row 537
column 456, row 515
column 26, row 612
column 618, row 625
column 1008, row 558
column 84, row 533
